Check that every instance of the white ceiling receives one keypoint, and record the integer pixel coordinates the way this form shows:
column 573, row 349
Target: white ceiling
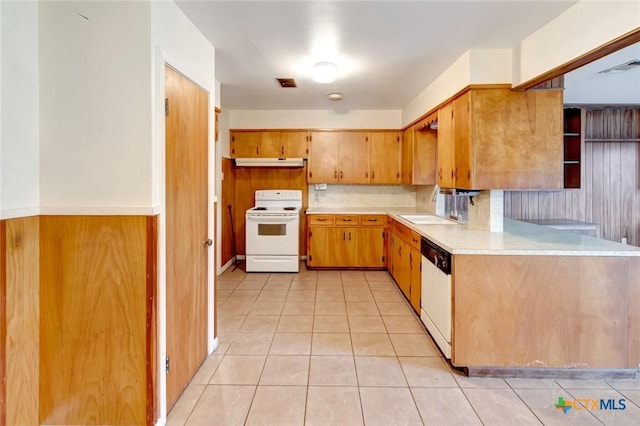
column 386, row 51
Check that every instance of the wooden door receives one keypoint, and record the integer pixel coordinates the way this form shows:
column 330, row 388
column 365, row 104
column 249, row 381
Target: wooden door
column 295, row 144
column 323, row 157
column 327, row 246
column 445, row 146
column 186, row 133
column 245, row 144
column 462, row 136
column 354, row 157
column 370, row 252
column 385, row 157
column 407, row 156
column 271, row 145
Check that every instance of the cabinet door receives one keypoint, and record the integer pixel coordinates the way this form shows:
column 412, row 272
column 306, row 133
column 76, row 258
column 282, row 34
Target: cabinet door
column 350, row 242
column 270, row 145
column 385, row 150
column 416, row 279
column 462, row 141
column 245, row 144
column 354, row 157
column 294, row 144
column 327, row 247
column 407, row 156
column 446, row 146
column 323, row 157
column 402, row 271
column 424, row 156
column 370, row 248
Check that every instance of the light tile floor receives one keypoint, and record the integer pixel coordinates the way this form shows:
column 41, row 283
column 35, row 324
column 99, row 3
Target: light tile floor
column 344, row 348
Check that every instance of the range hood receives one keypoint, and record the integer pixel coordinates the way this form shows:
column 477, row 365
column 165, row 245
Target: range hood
column 269, row 162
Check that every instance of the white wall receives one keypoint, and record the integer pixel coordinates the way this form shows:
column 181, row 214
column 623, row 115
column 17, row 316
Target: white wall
column 580, row 29
column 95, row 119
column 486, row 66
column 19, row 111
column 315, row 119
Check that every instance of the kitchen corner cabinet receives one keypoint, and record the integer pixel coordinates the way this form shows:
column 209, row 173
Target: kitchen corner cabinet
column 336, row 241
column 499, row 138
column 349, row 157
column 269, row 144
column 406, row 260
column 419, row 144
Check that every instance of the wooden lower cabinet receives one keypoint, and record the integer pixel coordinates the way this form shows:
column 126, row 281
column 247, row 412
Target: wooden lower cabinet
column 406, row 259
column 331, row 244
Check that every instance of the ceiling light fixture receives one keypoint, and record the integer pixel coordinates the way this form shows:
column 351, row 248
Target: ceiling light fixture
column 324, row 72
column 335, row 96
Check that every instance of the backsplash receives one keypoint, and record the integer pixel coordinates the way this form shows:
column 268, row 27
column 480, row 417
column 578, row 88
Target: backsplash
column 363, row 196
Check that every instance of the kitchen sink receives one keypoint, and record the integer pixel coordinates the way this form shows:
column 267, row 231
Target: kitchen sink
column 427, row 219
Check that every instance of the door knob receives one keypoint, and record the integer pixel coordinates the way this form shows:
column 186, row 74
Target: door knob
column 208, row 242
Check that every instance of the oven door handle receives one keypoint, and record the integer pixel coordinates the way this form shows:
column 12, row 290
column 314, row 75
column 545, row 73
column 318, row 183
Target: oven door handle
column 272, row 218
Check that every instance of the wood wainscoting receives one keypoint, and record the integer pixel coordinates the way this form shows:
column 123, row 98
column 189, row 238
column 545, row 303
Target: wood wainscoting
column 96, row 297
column 22, row 316
column 78, row 320
column 610, row 191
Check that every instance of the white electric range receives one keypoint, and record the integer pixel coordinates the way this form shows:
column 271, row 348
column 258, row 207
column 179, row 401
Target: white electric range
column 273, row 230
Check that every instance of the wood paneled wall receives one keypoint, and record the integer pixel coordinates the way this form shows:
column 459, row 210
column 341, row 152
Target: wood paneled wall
column 22, row 315
column 246, row 180
column 96, row 298
column 228, row 198
column 610, row 193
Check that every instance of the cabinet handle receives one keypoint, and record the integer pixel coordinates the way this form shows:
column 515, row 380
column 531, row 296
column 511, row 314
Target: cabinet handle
column 366, row 174
column 373, row 174
column 340, row 174
column 346, row 220
column 257, row 150
column 372, row 220
column 335, row 174
column 440, row 173
column 455, row 173
column 349, row 236
column 451, row 174
column 282, row 150
column 344, row 235
column 468, row 174
column 321, row 220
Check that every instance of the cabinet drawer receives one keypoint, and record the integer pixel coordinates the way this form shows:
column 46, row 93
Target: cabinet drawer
column 372, row 220
column 320, row 220
column 402, row 232
column 346, row 220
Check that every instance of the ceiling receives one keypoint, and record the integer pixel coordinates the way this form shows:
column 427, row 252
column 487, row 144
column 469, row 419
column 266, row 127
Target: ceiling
column 386, row 51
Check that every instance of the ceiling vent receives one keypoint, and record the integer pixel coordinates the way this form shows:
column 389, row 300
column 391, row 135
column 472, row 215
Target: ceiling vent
column 622, row 67
column 287, row 82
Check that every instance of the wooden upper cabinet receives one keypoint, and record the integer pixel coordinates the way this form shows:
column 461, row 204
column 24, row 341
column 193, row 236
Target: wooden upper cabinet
column 269, row 144
column 501, row 139
column 245, row 144
column 419, row 153
column 294, row 144
column 445, row 163
column 385, row 157
column 323, row 157
column 354, row 157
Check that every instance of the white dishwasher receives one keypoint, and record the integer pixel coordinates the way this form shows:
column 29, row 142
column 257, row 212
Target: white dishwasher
column 436, row 294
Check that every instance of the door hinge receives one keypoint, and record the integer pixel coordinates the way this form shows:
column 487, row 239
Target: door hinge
column 310, row 234
column 310, row 174
column 310, row 258
column 167, row 364
column 383, row 258
column 166, row 107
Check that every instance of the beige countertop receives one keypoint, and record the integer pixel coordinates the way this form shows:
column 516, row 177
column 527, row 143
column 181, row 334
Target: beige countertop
column 518, row 238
